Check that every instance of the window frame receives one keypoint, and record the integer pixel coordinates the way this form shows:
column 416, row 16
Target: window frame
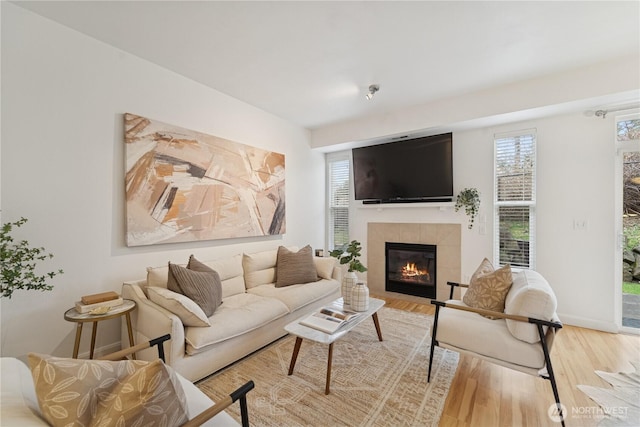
column 330, row 158
column 528, row 203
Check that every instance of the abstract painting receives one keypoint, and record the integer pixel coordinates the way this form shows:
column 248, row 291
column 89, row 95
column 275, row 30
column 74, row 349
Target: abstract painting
column 183, row 185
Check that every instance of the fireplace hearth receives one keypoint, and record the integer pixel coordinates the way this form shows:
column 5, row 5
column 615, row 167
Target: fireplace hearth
column 411, row 269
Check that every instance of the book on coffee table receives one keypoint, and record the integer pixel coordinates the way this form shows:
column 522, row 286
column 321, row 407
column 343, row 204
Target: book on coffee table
column 329, row 319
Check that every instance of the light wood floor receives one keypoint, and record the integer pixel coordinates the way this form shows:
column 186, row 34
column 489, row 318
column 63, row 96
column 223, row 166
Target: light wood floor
column 484, row 394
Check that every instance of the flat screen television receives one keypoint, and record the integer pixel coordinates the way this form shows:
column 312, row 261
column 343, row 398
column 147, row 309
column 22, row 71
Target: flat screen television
column 411, row 170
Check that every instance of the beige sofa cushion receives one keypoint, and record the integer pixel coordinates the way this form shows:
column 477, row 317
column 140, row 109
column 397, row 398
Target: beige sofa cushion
column 324, row 267
column 157, row 276
column 92, row 392
column 231, row 274
column 260, row 267
column 188, row 311
column 238, row 314
column 229, row 269
column 530, row 296
column 297, row 296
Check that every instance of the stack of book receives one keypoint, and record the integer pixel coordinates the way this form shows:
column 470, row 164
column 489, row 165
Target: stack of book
column 98, row 302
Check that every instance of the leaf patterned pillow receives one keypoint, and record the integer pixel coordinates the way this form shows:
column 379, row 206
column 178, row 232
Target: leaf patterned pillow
column 74, row 392
column 484, row 268
column 488, row 288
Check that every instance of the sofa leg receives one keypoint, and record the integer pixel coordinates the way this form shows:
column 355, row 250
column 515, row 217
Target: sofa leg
column 433, row 341
column 552, row 377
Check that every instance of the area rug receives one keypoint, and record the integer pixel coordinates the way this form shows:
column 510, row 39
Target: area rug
column 373, row 383
column 620, row 404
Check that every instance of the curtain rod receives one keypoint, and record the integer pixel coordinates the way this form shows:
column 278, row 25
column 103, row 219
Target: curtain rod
column 603, row 113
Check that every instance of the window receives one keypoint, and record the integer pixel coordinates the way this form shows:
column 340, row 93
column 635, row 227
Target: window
column 628, row 129
column 515, row 198
column 338, row 185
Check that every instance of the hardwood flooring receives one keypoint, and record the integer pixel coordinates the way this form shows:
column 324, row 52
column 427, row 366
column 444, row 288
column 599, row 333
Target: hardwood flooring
column 484, row 394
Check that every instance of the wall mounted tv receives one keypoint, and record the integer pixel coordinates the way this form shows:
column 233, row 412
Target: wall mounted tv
column 411, row 170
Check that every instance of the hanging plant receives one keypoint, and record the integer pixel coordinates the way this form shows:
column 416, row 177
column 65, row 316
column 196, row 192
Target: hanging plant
column 350, row 256
column 19, row 263
column 469, row 198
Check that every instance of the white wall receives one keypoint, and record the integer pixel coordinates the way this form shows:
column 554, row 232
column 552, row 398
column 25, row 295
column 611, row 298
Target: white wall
column 575, row 181
column 63, row 97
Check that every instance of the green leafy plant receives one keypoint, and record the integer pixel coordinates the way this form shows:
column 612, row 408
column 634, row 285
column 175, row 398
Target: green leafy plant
column 350, row 256
column 469, row 198
column 19, row 262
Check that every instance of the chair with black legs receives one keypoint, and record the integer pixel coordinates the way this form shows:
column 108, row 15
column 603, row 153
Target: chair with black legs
column 519, row 338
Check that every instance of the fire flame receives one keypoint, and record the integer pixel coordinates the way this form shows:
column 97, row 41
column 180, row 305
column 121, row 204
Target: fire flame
column 410, row 270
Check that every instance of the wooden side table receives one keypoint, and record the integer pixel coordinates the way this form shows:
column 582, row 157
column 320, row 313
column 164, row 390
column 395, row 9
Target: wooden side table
column 73, row 316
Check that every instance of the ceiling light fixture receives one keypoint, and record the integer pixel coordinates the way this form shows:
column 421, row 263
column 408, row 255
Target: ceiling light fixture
column 372, row 90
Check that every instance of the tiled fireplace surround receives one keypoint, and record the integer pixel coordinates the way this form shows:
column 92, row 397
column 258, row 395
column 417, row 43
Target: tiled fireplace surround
column 446, row 237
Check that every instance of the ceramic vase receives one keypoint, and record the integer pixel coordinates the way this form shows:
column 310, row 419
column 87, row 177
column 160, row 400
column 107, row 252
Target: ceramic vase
column 360, row 297
column 348, row 282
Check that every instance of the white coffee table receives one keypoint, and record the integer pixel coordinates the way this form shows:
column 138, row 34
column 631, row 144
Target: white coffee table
column 304, row 332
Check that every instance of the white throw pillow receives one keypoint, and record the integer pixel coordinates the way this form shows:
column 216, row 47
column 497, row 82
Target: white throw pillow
column 157, row 276
column 186, row 309
column 324, row 266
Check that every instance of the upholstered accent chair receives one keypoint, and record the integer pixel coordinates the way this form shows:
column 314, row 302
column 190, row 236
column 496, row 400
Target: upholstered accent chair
column 60, row 391
column 240, row 394
column 519, row 338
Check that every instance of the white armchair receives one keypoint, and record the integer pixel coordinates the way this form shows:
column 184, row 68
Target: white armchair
column 240, row 394
column 20, row 404
column 520, row 338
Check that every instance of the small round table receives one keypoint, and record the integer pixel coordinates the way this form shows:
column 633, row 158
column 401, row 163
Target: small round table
column 81, row 318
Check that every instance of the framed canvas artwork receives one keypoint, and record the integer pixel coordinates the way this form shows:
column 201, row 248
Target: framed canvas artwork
column 183, row 185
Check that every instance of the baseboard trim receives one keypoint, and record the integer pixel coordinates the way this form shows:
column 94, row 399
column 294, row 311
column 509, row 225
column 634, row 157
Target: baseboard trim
column 583, row 322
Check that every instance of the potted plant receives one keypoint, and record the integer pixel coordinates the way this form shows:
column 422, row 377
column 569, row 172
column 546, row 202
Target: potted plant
column 469, row 198
column 19, row 262
column 350, row 257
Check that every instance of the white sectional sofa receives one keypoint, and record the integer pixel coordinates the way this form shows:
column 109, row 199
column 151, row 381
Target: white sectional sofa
column 253, row 312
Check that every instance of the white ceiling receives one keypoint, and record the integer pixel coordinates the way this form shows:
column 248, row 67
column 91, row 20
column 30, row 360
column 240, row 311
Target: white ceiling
column 312, row 62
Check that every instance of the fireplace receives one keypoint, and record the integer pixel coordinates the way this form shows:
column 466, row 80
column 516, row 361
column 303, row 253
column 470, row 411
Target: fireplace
column 411, row 269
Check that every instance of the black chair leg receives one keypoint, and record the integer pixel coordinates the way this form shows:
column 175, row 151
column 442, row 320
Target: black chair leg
column 241, row 395
column 433, row 341
column 552, row 377
column 244, row 411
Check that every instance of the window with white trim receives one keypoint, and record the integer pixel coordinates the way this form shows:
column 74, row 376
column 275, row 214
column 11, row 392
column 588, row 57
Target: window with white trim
column 339, row 195
column 515, row 198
